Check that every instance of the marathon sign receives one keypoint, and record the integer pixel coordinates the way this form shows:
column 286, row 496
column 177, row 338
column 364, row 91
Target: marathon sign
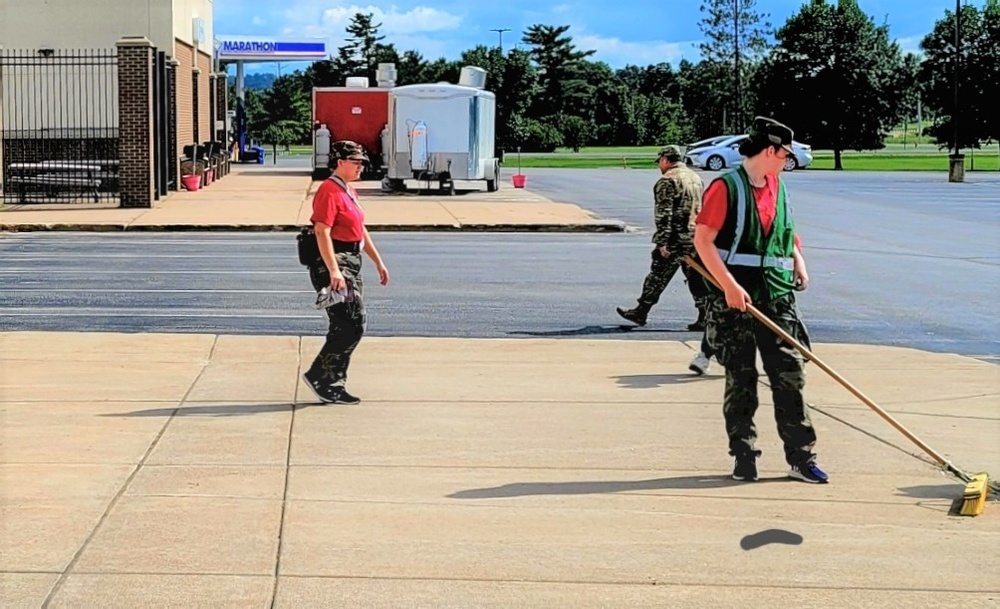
column 269, row 49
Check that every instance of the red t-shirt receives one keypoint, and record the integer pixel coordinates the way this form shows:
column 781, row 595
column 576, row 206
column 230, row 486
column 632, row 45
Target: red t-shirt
column 715, row 204
column 335, row 208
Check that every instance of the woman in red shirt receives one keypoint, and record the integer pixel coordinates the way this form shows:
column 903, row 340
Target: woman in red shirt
column 339, row 223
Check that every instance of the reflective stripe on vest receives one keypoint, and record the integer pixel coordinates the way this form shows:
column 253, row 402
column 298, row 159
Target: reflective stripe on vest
column 735, row 259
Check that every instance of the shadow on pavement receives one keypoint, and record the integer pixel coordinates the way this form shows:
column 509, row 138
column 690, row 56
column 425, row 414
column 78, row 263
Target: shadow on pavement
column 213, row 410
column 592, row 330
column 763, row 538
column 522, row 489
column 933, row 491
column 652, row 381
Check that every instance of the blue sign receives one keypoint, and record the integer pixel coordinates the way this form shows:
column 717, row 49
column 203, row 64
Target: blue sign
column 269, row 49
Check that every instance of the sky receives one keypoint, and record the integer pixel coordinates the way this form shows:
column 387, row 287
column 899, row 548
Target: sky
column 622, row 32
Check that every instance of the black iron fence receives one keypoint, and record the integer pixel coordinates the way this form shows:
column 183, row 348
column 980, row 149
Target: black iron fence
column 59, row 125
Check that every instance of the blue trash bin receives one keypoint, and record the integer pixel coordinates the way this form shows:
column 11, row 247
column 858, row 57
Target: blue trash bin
column 260, row 154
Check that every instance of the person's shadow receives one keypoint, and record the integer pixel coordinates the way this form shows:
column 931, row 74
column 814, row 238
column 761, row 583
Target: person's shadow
column 652, row 381
column 523, row 489
column 212, row 410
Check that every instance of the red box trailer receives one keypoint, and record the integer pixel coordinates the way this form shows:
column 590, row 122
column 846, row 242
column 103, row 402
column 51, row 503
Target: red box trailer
column 352, row 113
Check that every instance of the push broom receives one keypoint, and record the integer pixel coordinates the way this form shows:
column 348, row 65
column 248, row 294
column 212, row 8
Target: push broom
column 976, row 486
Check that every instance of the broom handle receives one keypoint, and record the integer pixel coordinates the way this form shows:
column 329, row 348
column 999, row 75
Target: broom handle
column 847, row 385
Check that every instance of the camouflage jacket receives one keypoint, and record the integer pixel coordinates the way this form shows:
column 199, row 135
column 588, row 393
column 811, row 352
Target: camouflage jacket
column 677, row 197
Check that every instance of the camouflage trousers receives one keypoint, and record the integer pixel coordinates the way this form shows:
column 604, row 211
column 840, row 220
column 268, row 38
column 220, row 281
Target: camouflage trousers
column 347, row 323
column 736, row 337
column 661, row 271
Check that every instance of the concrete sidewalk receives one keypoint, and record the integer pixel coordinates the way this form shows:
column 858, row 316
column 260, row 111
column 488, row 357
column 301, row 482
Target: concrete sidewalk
column 274, row 199
column 151, row 470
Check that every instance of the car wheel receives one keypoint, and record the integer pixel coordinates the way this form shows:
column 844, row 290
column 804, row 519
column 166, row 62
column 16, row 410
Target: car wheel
column 715, row 162
column 791, row 164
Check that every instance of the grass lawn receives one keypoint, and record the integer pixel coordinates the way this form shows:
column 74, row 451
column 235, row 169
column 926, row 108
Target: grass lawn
column 641, row 158
column 989, row 161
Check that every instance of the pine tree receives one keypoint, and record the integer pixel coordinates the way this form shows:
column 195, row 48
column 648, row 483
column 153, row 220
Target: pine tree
column 737, row 36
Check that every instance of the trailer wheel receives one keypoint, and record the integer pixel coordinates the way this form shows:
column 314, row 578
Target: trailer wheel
column 492, row 185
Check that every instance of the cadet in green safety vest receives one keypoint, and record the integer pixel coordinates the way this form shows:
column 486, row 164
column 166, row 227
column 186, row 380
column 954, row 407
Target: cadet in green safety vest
column 745, row 237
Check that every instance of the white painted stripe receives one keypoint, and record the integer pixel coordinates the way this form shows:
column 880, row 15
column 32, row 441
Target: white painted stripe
column 4, row 313
column 147, row 272
column 44, row 290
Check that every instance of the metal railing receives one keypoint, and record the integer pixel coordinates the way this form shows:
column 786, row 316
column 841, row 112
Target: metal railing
column 59, row 125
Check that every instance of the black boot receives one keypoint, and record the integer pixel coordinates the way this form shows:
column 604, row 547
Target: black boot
column 637, row 315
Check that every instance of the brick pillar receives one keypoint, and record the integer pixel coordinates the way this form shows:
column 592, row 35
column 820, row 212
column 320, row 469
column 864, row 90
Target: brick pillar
column 222, row 106
column 135, row 122
column 174, row 160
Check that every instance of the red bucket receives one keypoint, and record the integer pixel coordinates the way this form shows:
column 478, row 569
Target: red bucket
column 191, row 182
column 519, row 179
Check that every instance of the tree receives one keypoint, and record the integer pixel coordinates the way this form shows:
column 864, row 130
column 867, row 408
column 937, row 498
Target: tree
column 364, row 49
column 287, row 103
column 909, row 89
column 703, row 87
column 989, row 51
column 736, row 36
column 410, row 68
column 834, row 78
column 978, row 72
column 561, row 90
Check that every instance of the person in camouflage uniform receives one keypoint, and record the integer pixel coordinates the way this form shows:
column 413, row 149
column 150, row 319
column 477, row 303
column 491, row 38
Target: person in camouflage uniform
column 746, row 238
column 677, row 199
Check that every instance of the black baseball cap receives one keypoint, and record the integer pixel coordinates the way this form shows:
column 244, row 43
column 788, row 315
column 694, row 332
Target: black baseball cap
column 769, row 130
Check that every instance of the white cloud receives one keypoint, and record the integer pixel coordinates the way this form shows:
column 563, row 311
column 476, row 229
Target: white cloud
column 258, row 21
column 910, row 44
column 417, row 19
column 618, row 53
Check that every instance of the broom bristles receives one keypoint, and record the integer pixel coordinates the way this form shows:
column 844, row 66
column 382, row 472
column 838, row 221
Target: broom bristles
column 974, row 497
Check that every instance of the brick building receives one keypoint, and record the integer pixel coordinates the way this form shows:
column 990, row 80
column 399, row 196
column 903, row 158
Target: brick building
column 181, row 29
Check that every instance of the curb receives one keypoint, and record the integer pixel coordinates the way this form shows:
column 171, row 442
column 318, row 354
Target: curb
column 597, row 227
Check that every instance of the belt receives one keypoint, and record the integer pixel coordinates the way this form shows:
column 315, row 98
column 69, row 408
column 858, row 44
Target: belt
column 343, row 247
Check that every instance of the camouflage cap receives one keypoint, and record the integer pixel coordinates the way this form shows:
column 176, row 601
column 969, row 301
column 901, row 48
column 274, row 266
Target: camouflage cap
column 671, row 152
column 347, row 150
column 769, row 130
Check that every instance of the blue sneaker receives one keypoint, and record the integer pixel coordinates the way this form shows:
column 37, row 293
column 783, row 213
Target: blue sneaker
column 809, row 472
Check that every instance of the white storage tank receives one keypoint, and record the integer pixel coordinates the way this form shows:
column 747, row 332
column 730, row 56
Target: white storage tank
column 357, row 82
column 442, row 132
column 474, row 77
column 386, row 75
column 322, row 147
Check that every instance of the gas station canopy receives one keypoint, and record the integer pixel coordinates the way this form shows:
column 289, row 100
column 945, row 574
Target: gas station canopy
column 253, row 49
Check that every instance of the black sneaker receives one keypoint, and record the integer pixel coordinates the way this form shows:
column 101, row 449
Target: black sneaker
column 322, row 395
column 746, row 469
column 340, row 396
column 810, row 472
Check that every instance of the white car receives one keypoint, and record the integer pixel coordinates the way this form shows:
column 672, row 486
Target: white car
column 726, row 153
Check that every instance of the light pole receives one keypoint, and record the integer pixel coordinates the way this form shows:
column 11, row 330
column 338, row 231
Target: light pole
column 954, row 116
column 500, row 31
column 739, row 93
column 956, row 162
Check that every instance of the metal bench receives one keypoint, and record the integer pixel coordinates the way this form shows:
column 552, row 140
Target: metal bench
column 52, row 184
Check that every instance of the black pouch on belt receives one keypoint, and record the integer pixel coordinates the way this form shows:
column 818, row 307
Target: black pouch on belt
column 308, row 248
